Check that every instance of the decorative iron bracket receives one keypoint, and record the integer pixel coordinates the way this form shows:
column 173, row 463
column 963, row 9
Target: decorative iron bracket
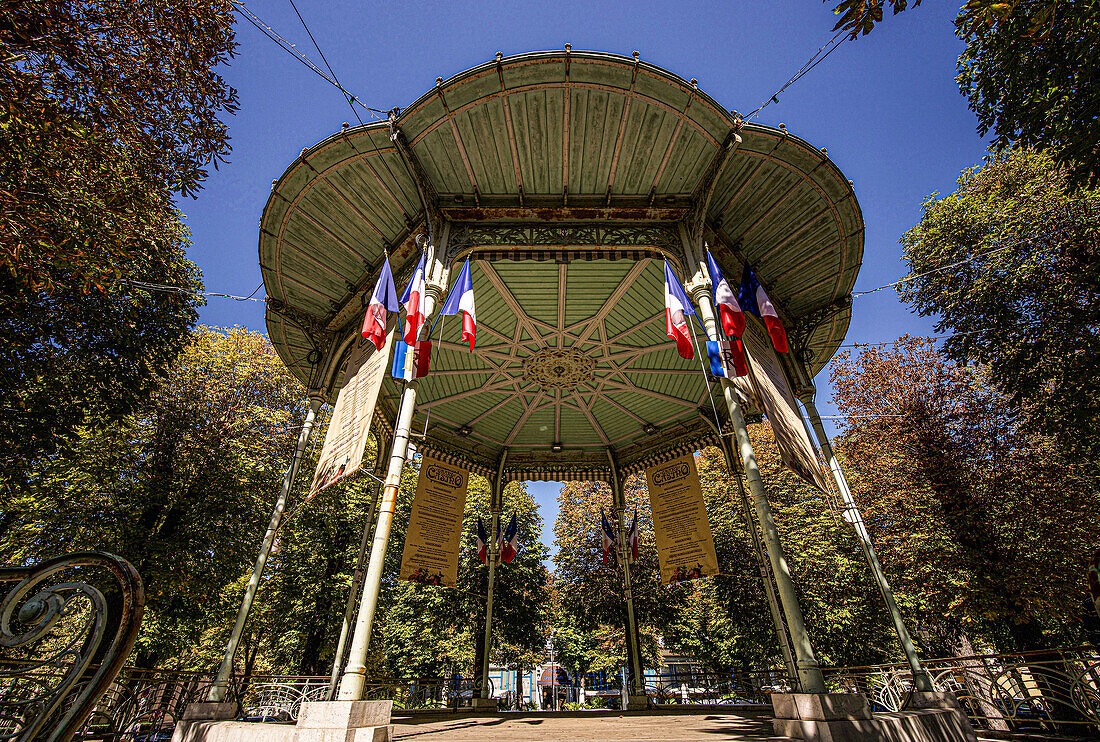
column 803, row 328
column 429, row 198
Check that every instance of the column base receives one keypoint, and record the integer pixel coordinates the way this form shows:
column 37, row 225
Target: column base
column 208, row 711
column 637, row 703
column 844, row 717
column 344, row 721
column 484, row 705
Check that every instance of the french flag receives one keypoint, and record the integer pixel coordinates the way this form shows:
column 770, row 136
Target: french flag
column 677, row 307
column 632, row 536
column 413, row 300
column 382, row 301
column 608, row 536
column 510, row 547
column 482, row 553
column 460, row 300
column 411, row 362
column 754, row 299
column 729, row 311
column 727, row 358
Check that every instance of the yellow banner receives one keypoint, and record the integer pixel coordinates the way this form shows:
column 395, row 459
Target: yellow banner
column 685, row 545
column 346, row 438
column 435, row 524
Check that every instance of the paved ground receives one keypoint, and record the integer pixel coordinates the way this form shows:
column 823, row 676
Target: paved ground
column 609, row 726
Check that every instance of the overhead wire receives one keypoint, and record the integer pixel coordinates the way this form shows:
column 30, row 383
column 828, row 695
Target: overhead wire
column 324, row 59
column 818, row 57
column 941, row 268
column 289, row 48
column 164, row 288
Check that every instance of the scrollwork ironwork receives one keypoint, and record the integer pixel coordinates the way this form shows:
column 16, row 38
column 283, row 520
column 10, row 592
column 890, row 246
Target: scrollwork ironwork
column 1050, row 691
column 65, row 630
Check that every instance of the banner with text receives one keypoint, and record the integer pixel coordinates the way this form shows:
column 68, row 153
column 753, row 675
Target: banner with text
column 435, row 524
column 346, row 439
column 771, row 389
column 685, row 545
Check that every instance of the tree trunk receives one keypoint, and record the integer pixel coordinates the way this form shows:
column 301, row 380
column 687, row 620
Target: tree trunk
column 519, row 688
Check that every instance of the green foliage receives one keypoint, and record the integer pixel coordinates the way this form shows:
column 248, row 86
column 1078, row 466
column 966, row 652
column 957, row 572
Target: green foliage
column 428, row 631
column 181, row 488
column 590, row 593
column 1030, row 71
column 980, row 523
column 1026, row 301
column 858, row 17
column 110, row 107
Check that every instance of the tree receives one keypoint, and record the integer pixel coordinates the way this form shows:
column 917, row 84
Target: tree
column 111, row 107
column 979, row 523
column 1030, row 71
column 1010, row 263
column 591, row 592
column 430, row 631
column 181, row 488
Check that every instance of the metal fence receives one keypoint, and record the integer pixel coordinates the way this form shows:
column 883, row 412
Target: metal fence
column 145, row 705
column 1055, row 691
column 1050, row 692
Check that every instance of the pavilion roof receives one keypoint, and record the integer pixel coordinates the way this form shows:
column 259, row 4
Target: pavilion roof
column 558, row 158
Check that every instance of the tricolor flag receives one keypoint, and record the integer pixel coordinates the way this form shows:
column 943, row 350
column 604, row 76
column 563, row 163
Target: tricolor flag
column 677, row 307
column 411, row 365
column 727, row 358
column 510, row 548
column 754, row 299
column 481, row 552
column 461, row 300
column 729, row 311
column 632, row 536
column 608, row 536
column 413, row 300
column 382, row 301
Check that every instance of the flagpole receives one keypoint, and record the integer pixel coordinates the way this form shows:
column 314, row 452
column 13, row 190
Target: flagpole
column 353, row 680
column 496, row 497
column 618, row 487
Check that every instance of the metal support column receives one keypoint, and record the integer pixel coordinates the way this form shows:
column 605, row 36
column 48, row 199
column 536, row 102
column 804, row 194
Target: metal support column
column 809, row 672
column 220, row 685
column 921, row 678
column 492, row 552
column 618, row 487
column 339, row 656
column 761, row 562
column 354, row 677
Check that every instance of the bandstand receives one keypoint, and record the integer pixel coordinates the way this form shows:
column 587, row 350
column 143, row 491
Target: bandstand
column 567, row 178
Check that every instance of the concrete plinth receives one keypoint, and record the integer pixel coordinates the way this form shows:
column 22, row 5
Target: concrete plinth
column 637, row 703
column 484, row 705
column 344, row 721
column 844, row 717
column 328, row 721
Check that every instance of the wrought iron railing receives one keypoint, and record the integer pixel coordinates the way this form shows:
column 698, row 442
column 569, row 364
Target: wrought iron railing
column 144, row 705
column 1053, row 691
column 66, row 627
column 710, row 688
column 696, row 686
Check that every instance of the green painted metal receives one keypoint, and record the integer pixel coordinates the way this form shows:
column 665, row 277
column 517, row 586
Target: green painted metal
column 557, row 138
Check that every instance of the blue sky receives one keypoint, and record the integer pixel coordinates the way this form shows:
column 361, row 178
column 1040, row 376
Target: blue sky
column 885, row 106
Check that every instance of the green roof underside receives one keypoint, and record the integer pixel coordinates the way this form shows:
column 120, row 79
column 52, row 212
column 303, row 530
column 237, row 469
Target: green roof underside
column 552, row 139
